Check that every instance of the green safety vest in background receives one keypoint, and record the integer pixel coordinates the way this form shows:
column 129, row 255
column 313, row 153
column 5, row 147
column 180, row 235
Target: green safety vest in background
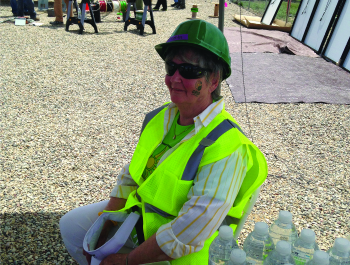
column 162, row 195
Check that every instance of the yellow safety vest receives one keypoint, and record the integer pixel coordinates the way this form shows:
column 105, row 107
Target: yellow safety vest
column 162, row 195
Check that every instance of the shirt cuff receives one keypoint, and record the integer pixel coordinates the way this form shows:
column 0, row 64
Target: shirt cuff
column 171, row 246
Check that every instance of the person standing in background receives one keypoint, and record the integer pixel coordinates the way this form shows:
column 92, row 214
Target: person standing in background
column 57, row 7
column 13, row 4
column 30, row 6
column 162, row 3
column 175, row 3
column 181, row 4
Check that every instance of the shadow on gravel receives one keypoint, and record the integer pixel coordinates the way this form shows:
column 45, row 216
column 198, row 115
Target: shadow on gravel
column 52, row 27
column 32, row 238
column 109, row 22
column 132, row 29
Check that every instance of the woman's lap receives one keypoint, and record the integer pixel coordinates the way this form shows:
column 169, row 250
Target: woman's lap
column 75, row 224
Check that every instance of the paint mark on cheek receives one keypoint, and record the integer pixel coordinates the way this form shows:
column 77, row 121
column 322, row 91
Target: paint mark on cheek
column 198, row 87
column 195, row 93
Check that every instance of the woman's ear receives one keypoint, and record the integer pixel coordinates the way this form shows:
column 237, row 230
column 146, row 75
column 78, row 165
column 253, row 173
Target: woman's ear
column 214, row 81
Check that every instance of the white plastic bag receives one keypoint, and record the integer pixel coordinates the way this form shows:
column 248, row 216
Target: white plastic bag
column 127, row 223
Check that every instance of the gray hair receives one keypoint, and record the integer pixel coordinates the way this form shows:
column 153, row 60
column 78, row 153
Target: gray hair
column 203, row 59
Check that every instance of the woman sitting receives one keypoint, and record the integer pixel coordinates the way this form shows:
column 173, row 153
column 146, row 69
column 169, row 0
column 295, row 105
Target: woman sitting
column 192, row 169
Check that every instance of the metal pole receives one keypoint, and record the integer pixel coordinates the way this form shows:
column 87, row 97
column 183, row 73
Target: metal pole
column 288, row 5
column 221, row 22
column 221, row 15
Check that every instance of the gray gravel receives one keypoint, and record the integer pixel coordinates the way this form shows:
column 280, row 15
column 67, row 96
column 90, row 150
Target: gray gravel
column 71, row 108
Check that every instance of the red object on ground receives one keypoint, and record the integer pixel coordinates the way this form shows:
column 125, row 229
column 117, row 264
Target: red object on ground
column 103, row 6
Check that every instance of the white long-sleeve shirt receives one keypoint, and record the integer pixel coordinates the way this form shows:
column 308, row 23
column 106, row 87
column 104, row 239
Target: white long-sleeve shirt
column 210, row 198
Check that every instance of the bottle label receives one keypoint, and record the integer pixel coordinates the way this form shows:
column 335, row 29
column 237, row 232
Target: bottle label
column 300, row 258
column 284, row 238
column 267, row 250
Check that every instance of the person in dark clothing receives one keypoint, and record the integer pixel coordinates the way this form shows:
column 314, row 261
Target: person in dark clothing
column 181, row 4
column 30, row 6
column 162, row 3
column 175, row 3
column 13, row 4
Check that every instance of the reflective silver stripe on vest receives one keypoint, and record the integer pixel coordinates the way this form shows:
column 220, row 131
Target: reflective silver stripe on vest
column 206, row 142
column 149, row 208
column 196, row 157
column 152, row 209
column 229, row 220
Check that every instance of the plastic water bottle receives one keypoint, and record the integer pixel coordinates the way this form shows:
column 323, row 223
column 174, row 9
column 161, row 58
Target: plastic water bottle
column 304, row 247
column 79, row 13
column 283, row 228
column 340, row 252
column 237, row 257
column 221, row 247
column 319, row 258
column 258, row 244
column 281, row 255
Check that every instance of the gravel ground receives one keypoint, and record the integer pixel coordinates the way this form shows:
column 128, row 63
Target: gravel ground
column 70, row 116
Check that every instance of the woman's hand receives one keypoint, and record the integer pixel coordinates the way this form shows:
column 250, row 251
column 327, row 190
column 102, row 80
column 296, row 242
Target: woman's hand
column 104, row 233
column 101, row 240
column 114, row 204
column 87, row 256
column 115, row 259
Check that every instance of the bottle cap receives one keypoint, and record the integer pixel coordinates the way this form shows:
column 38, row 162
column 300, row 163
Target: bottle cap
column 341, row 244
column 261, row 228
column 285, row 217
column 284, row 248
column 321, row 258
column 308, row 236
column 225, row 232
column 238, row 255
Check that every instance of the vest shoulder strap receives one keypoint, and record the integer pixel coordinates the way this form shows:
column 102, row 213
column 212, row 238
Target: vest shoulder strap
column 196, row 157
column 149, row 116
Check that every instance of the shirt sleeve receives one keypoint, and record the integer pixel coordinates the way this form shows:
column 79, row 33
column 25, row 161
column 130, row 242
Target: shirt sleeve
column 125, row 184
column 210, row 199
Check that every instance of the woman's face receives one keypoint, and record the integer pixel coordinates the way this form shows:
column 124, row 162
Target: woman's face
column 189, row 91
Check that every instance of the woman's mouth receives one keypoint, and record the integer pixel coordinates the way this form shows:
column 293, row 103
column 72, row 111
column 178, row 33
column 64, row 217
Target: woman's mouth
column 177, row 90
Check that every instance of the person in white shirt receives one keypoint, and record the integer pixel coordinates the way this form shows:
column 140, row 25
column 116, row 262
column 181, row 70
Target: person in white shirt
column 193, row 75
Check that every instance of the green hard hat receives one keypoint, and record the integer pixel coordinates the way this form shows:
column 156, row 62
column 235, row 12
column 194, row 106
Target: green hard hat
column 200, row 34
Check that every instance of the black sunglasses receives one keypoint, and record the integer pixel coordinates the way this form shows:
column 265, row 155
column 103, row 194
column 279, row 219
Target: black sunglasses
column 186, row 70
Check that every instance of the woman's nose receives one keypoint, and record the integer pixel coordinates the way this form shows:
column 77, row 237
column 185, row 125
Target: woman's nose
column 176, row 77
